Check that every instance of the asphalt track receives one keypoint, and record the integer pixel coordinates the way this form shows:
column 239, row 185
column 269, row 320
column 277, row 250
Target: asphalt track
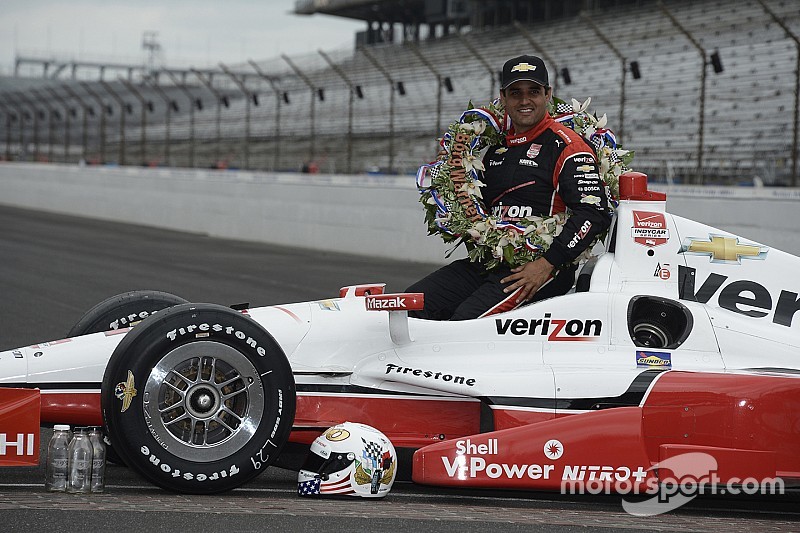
column 53, row 268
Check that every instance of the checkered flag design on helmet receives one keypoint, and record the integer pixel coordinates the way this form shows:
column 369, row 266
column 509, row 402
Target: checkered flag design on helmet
column 372, row 452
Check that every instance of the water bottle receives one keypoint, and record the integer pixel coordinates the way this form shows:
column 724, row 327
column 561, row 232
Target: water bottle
column 57, row 459
column 79, row 475
column 98, row 459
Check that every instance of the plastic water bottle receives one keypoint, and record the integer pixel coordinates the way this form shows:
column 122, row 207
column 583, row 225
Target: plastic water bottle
column 57, row 459
column 98, row 459
column 79, row 477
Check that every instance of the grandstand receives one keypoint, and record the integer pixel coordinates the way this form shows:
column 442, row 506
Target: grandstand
column 381, row 106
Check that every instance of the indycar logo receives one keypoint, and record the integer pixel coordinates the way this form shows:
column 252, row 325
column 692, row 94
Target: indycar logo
column 555, row 329
column 125, row 391
column 649, row 229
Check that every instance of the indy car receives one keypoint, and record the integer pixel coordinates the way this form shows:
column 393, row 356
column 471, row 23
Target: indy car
column 678, row 339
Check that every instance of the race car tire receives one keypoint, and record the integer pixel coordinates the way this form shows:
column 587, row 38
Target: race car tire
column 123, row 310
column 198, row 399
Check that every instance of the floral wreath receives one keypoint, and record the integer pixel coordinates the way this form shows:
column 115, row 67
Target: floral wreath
column 450, row 188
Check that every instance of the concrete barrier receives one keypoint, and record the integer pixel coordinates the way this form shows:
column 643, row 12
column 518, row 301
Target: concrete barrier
column 367, row 215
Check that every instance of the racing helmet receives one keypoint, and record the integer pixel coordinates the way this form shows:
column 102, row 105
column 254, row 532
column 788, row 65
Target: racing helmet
column 349, row 459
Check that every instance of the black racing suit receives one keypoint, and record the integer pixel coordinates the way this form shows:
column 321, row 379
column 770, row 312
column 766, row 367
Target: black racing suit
column 545, row 170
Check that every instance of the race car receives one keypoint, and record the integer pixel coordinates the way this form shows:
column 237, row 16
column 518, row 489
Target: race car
column 678, row 341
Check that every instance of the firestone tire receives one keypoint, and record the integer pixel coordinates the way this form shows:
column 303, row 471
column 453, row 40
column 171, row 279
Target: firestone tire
column 198, row 399
column 123, row 310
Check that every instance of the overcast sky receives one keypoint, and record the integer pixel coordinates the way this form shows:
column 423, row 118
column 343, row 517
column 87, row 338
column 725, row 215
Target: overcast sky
column 196, row 32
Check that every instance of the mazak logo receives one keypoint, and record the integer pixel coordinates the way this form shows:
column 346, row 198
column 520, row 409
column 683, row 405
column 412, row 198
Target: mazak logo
column 555, row 329
column 22, row 444
column 741, row 296
column 395, row 302
column 649, row 228
column 389, row 303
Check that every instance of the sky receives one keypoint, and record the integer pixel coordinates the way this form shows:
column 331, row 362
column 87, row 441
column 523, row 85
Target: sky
column 199, row 33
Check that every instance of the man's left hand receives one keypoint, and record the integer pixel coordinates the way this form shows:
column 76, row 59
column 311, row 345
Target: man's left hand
column 529, row 278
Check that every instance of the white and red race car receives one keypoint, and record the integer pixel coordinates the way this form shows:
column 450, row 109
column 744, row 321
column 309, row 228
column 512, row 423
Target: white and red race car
column 679, row 339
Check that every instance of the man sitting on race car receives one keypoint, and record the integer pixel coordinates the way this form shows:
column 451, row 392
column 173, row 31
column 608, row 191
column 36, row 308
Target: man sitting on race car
column 542, row 168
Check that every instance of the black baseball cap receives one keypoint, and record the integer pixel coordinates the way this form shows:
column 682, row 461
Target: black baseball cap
column 529, row 68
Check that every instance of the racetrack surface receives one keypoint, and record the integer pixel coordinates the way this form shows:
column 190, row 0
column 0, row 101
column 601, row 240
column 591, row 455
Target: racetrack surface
column 53, row 268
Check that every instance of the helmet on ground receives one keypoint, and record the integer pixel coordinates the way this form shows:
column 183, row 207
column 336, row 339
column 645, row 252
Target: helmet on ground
column 349, row 459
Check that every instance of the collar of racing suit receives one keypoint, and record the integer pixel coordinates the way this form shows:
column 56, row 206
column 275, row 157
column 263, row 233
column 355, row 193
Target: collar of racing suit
column 515, row 139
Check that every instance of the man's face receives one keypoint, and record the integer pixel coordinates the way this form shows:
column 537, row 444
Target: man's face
column 526, row 103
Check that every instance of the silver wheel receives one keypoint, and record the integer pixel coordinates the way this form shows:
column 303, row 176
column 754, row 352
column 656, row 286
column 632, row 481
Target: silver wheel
column 203, row 401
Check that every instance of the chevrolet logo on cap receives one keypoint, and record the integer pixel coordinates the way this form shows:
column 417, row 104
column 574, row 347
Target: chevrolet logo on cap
column 523, row 67
column 723, row 249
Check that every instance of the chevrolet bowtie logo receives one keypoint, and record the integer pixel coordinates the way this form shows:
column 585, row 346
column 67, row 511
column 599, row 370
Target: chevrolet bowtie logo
column 523, row 67
column 724, row 249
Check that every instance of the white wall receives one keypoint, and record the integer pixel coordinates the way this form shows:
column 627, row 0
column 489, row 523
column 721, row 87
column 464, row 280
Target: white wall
column 368, row 215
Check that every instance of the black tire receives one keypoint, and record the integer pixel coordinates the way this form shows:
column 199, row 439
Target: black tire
column 123, row 310
column 183, row 430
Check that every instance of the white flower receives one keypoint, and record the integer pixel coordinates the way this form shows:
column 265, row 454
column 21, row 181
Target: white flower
column 602, row 122
column 546, row 238
column 430, row 201
column 581, row 107
column 604, row 165
column 473, row 188
column 475, row 234
column 472, row 163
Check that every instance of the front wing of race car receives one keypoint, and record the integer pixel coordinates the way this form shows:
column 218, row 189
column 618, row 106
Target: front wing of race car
column 19, row 420
column 698, row 427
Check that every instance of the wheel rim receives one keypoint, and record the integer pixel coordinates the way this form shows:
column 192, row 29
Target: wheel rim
column 650, row 335
column 203, row 401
